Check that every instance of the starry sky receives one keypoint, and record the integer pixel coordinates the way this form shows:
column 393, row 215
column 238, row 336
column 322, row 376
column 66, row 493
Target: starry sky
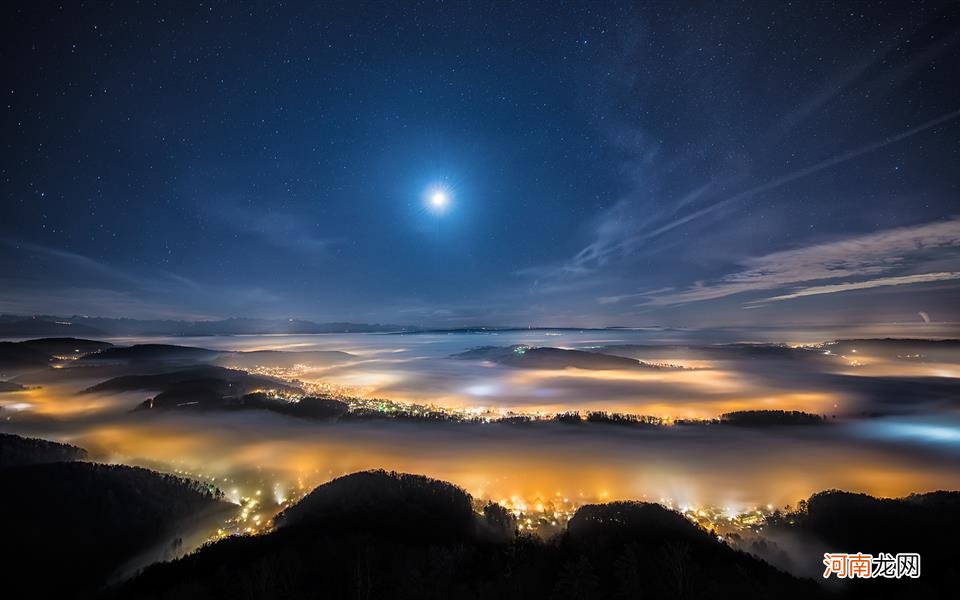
column 634, row 164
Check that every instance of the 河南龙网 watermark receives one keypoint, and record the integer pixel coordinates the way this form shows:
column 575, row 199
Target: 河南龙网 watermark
column 868, row 566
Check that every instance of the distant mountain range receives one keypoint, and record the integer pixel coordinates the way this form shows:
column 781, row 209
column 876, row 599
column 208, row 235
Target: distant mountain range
column 19, row 326
column 47, row 325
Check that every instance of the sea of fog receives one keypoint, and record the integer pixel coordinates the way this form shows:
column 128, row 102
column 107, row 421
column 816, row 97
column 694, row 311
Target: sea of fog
column 913, row 446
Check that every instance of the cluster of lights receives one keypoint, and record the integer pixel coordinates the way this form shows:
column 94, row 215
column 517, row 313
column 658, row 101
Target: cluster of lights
column 545, row 517
column 725, row 521
column 357, row 399
column 540, row 515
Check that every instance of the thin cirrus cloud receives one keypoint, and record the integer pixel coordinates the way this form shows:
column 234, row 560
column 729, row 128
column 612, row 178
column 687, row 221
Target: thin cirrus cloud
column 617, row 232
column 274, row 228
column 873, row 258
column 796, row 175
column 44, row 279
column 863, row 285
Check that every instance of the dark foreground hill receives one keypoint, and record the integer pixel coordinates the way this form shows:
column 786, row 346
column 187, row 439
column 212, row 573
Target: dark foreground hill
column 383, row 535
column 69, row 527
column 16, row 451
column 928, row 524
column 74, row 527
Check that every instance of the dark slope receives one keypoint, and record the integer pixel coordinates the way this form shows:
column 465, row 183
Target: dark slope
column 641, row 550
column 14, row 356
column 928, row 524
column 16, row 451
column 39, row 353
column 65, row 346
column 401, row 505
column 77, row 523
column 283, row 359
column 203, row 386
column 551, row 358
column 380, row 535
column 164, row 381
column 152, row 352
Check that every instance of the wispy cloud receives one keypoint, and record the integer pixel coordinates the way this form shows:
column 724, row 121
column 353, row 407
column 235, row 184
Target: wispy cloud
column 864, row 285
column 278, row 229
column 865, row 256
column 612, row 235
column 874, row 54
column 610, row 231
column 618, row 232
column 622, row 297
column 795, row 175
column 53, row 280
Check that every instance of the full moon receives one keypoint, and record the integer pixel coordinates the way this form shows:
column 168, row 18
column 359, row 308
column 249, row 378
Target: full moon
column 438, row 199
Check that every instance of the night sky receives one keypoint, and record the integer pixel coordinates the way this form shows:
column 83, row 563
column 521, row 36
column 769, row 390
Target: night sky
column 603, row 164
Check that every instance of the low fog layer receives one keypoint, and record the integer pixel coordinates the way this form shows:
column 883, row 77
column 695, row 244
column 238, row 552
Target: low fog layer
column 890, row 424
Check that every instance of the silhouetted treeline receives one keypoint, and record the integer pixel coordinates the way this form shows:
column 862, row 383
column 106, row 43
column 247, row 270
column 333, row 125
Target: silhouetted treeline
column 309, row 407
column 571, row 417
column 622, row 418
column 611, row 418
column 16, row 450
column 412, row 415
column 380, row 535
column 759, row 418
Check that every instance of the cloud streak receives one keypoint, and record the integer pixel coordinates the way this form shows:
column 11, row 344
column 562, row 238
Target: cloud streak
column 52, row 280
column 278, row 229
column 618, row 232
column 864, row 285
column 799, row 174
column 870, row 255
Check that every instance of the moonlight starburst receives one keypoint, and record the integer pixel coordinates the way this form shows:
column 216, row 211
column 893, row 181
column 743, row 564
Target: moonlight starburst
column 438, row 200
